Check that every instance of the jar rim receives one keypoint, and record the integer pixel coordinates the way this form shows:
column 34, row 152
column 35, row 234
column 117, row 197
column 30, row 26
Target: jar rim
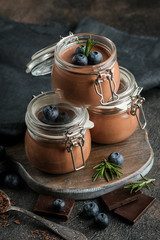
column 53, row 131
column 73, row 39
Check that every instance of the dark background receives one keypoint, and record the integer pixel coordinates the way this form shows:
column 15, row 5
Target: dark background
column 141, row 17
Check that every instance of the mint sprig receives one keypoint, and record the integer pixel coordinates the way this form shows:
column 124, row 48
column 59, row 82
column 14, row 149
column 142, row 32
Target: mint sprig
column 106, row 169
column 89, row 46
column 137, row 185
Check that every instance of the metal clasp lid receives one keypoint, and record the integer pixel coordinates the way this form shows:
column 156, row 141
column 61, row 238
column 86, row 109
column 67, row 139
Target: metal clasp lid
column 136, row 103
column 42, row 61
column 108, row 74
column 75, row 141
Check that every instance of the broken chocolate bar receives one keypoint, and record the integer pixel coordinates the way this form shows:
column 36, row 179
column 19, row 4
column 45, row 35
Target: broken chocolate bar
column 45, row 205
column 134, row 210
column 119, row 197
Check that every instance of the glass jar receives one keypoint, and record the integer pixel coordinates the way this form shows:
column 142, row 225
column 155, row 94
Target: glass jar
column 63, row 146
column 83, row 86
column 117, row 121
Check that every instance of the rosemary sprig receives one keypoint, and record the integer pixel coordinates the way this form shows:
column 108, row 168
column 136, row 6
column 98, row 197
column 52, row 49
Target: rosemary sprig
column 105, row 168
column 137, row 185
column 89, row 46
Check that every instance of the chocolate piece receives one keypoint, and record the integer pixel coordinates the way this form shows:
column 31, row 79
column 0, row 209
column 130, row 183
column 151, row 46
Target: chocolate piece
column 133, row 211
column 119, row 197
column 45, row 205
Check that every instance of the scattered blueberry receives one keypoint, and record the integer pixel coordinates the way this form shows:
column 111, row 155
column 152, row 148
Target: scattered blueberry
column 59, row 205
column 101, row 220
column 95, row 57
column 80, row 59
column 116, row 158
column 50, row 113
column 12, row 180
column 63, row 117
column 79, row 50
column 90, row 209
column 2, row 152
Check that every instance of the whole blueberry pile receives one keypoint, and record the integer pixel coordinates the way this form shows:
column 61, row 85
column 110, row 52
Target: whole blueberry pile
column 91, row 210
column 94, row 57
column 51, row 115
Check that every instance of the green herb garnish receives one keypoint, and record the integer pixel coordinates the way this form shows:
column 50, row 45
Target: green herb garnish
column 137, row 185
column 105, row 168
column 89, row 46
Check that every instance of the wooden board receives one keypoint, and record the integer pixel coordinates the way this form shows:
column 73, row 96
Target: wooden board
column 138, row 159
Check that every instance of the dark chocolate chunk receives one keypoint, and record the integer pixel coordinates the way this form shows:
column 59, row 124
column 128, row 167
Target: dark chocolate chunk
column 119, row 197
column 134, row 210
column 44, row 204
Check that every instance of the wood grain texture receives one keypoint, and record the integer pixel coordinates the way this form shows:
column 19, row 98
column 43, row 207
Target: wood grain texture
column 138, row 159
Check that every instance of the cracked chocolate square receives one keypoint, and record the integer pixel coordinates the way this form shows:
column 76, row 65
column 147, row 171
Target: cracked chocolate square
column 134, row 210
column 119, row 197
column 44, row 205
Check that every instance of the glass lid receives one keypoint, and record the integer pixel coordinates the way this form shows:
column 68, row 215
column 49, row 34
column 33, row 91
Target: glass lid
column 42, row 61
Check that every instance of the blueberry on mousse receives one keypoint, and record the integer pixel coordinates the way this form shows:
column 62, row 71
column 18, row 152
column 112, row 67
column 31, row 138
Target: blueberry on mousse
column 63, row 117
column 80, row 59
column 80, row 50
column 101, row 220
column 59, row 205
column 84, row 56
column 90, row 209
column 49, row 114
column 116, row 158
column 94, row 58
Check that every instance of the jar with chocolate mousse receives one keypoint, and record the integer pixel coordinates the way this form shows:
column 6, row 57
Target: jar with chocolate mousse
column 117, row 121
column 58, row 138
column 83, row 86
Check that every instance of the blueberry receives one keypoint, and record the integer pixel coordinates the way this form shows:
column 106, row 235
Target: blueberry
column 50, row 113
column 59, row 205
column 2, row 152
column 101, row 220
column 80, row 59
column 12, row 180
column 90, row 209
column 79, row 50
column 63, row 117
column 116, row 158
column 95, row 57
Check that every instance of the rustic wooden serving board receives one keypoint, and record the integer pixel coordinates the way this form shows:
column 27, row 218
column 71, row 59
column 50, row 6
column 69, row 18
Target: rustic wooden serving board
column 138, row 159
